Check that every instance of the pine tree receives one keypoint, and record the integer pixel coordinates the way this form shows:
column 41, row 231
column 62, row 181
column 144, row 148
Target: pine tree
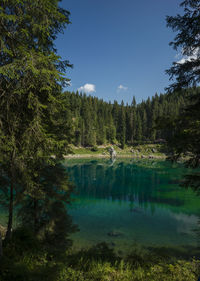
column 88, row 120
column 45, row 211
column 30, row 87
column 122, row 125
column 133, row 120
column 110, row 130
column 186, row 126
column 144, row 124
column 139, row 127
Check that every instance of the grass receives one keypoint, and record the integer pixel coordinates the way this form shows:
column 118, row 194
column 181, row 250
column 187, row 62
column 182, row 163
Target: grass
column 180, row 271
column 98, row 263
column 139, row 151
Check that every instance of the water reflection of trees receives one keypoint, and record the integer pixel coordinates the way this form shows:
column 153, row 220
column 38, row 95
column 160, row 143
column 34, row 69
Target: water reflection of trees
column 143, row 182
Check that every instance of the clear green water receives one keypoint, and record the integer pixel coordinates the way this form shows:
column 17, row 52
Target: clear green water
column 139, row 200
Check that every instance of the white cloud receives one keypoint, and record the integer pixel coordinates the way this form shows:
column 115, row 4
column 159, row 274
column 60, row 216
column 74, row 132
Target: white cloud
column 191, row 57
column 121, row 87
column 87, row 88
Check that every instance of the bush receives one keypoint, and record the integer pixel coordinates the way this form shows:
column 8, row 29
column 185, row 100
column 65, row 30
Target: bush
column 94, row 148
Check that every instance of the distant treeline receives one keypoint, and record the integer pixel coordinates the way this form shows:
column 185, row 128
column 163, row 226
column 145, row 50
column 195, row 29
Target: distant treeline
column 92, row 121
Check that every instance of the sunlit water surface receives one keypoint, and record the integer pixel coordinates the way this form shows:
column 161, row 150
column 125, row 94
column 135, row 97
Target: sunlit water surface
column 131, row 202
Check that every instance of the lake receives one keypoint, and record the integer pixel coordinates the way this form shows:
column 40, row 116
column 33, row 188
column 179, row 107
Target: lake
column 132, row 202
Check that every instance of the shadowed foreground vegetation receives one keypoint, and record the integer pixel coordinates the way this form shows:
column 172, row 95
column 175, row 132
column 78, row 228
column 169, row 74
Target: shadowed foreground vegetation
column 23, row 263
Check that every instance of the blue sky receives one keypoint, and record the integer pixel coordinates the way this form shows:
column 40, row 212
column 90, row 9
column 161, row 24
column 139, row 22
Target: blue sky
column 119, row 48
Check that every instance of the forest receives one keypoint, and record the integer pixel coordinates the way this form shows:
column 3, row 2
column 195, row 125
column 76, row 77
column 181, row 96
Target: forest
column 93, row 121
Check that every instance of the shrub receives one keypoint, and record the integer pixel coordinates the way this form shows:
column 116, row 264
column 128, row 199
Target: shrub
column 94, row 148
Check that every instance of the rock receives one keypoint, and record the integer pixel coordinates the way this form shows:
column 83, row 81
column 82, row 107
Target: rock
column 113, row 153
column 183, row 233
column 154, row 150
column 2, row 230
column 114, row 234
column 142, row 156
column 151, row 157
column 136, row 210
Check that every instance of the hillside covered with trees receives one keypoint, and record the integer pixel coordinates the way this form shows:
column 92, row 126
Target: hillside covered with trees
column 92, row 121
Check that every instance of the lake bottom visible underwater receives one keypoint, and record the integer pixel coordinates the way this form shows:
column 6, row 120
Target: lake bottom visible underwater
column 133, row 204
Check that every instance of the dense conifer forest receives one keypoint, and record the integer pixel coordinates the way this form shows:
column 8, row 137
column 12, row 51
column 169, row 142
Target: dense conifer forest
column 92, row 121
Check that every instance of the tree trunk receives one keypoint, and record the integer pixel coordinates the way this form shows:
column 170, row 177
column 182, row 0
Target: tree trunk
column 35, row 215
column 10, row 217
column 1, row 249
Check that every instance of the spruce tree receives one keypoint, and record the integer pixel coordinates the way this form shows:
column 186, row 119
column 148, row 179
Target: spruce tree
column 133, row 120
column 88, row 120
column 139, row 127
column 31, row 79
column 122, row 125
column 186, row 74
column 144, row 124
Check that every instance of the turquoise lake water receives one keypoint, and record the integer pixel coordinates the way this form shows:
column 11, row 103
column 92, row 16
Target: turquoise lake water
column 131, row 202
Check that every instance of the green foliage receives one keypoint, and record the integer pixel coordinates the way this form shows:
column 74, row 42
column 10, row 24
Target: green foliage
column 41, row 239
column 37, row 121
column 104, row 271
column 32, row 118
column 94, row 148
column 122, row 126
column 95, row 122
column 97, row 263
column 187, row 27
column 185, row 127
column 34, row 133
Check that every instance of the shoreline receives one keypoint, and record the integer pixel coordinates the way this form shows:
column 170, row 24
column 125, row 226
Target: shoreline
column 101, row 156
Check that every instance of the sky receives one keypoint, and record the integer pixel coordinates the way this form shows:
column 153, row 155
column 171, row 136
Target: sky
column 118, row 48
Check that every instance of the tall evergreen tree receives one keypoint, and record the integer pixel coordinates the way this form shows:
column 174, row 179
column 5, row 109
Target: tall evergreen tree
column 139, row 127
column 44, row 210
column 89, row 120
column 144, row 124
column 186, row 72
column 30, row 87
column 122, row 125
column 133, row 120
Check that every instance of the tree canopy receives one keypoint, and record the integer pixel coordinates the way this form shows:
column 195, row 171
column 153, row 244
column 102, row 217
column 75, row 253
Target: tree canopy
column 31, row 79
column 187, row 42
column 186, row 73
column 96, row 122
